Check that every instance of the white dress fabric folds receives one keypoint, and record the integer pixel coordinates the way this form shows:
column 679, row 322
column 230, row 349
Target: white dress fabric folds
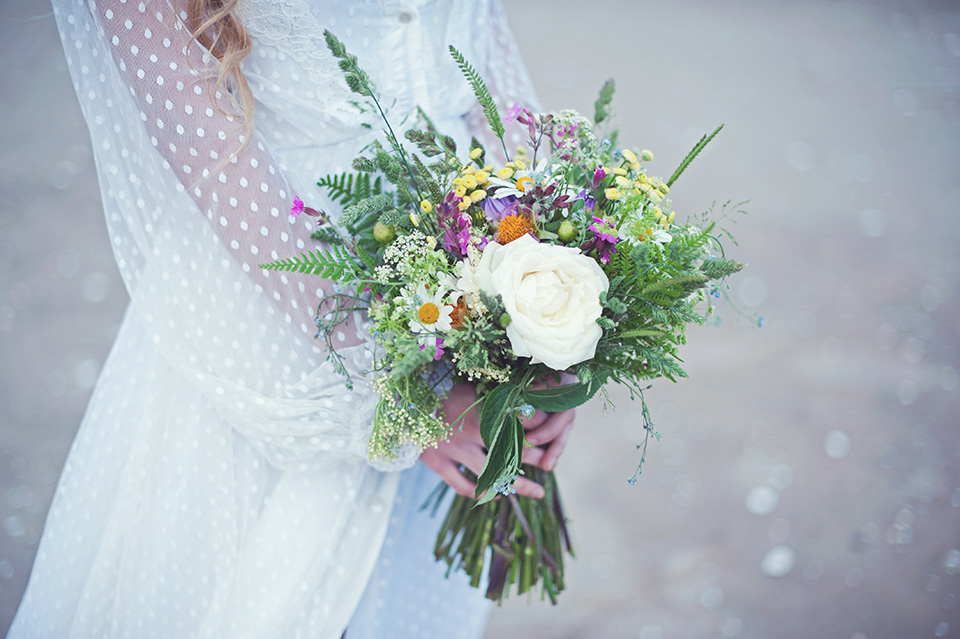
column 218, row 485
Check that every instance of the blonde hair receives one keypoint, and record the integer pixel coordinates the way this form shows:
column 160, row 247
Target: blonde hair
column 216, row 27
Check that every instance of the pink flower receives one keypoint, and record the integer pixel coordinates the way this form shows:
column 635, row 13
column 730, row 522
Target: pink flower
column 513, row 112
column 297, row 207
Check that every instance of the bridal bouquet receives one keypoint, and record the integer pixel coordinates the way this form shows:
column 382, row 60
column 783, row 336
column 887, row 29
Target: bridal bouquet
column 566, row 258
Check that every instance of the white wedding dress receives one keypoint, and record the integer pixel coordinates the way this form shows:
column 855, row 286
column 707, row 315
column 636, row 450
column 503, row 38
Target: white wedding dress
column 218, row 485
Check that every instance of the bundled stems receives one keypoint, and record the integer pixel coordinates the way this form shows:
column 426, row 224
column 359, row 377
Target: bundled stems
column 523, row 539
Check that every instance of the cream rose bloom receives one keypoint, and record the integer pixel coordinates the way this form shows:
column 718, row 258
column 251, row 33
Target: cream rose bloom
column 552, row 294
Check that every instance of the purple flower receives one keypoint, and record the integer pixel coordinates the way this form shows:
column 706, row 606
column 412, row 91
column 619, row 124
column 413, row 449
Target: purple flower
column 513, row 112
column 598, row 176
column 589, row 203
column 439, row 345
column 455, row 225
column 297, row 207
column 604, row 240
column 497, row 208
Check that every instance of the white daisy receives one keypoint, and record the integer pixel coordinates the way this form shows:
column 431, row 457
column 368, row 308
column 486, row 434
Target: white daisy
column 430, row 313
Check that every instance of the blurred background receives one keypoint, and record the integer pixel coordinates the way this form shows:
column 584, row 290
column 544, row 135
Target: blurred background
column 808, row 480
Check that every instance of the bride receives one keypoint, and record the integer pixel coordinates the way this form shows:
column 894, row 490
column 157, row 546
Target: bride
column 218, row 485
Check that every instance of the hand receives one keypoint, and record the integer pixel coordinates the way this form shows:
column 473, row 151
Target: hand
column 548, row 431
column 465, row 447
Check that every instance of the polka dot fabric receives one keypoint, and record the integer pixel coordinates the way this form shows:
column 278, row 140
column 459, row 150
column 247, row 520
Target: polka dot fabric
column 218, row 485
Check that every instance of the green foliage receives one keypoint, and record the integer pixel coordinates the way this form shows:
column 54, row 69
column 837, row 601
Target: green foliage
column 480, row 91
column 429, row 181
column 675, row 287
column 369, row 260
column 326, row 235
column 350, row 188
column 412, row 359
column 719, row 267
column 364, row 164
column 356, row 213
column 334, row 263
column 394, row 217
column 560, row 398
column 601, row 108
column 426, row 141
column 357, row 79
column 699, row 146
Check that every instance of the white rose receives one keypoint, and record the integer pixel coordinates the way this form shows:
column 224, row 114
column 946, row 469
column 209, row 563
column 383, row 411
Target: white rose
column 552, row 294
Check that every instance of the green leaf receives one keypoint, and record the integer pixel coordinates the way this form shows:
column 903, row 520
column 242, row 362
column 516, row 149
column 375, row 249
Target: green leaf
column 640, row 332
column 704, row 141
column 503, row 459
column 560, row 398
column 480, row 91
column 495, row 406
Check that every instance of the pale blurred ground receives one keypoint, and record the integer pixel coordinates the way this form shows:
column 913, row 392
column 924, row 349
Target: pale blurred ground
column 807, row 484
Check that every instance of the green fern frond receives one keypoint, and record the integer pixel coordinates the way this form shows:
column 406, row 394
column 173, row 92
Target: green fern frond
column 369, row 260
column 334, row 263
column 326, row 235
column 480, row 91
column 350, row 188
column 675, row 286
column 704, row 141
column 394, row 217
column 361, row 209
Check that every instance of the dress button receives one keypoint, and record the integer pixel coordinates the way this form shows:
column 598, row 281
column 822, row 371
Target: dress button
column 405, row 17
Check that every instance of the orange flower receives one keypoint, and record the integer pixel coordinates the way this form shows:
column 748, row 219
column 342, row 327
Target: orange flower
column 513, row 227
column 458, row 313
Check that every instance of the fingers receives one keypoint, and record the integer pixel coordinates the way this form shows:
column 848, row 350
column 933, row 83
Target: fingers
column 529, row 423
column 527, row 488
column 450, row 473
column 532, row 456
column 554, row 450
column 551, row 428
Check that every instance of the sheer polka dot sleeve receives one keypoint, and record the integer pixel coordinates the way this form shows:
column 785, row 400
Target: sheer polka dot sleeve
column 193, row 209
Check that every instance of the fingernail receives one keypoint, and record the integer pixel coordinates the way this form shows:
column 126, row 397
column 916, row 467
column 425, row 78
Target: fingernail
column 539, row 493
column 551, row 463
